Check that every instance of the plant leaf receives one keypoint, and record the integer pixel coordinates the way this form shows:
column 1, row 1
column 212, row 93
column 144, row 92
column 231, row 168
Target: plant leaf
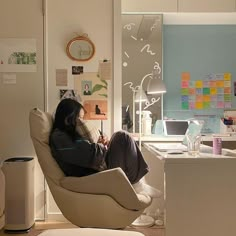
column 105, row 82
column 97, row 87
column 103, row 95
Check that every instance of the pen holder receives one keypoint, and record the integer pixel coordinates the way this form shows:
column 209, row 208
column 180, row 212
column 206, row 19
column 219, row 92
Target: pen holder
column 193, row 144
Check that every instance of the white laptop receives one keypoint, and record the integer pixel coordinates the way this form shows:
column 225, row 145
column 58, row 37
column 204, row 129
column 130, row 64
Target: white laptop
column 175, row 127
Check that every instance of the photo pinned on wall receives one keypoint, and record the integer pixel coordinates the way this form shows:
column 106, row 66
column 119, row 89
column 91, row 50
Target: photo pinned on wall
column 86, row 86
column 77, row 70
column 93, row 91
column 70, row 93
column 95, row 109
column 95, row 85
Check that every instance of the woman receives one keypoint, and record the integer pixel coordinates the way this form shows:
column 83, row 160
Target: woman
column 77, row 156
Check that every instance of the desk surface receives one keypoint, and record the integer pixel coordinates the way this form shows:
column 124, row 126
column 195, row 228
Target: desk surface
column 205, row 154
column 161, row 138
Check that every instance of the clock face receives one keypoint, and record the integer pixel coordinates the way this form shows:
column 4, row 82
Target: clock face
column 80, row 48
column 141, row 55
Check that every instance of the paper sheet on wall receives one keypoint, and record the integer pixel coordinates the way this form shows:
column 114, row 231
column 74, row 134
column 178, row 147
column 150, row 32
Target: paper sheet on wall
column 104, row 70
column 61, row 77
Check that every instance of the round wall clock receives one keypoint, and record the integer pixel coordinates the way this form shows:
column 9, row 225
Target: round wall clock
column 80, row 48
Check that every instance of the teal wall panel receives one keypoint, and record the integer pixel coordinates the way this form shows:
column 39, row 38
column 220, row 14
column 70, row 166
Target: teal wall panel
column 199, row 50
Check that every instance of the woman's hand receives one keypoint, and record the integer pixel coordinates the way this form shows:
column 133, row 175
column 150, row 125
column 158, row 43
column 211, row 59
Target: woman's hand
column 103, row 139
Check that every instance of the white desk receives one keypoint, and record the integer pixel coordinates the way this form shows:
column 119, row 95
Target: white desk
column 227, row 141
column 162, row 138
column 199, row 193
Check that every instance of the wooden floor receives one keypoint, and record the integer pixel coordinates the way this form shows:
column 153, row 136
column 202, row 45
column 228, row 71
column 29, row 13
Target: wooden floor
column 41, row 226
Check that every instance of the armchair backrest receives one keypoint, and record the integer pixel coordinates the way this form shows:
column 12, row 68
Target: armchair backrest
column 40, row 127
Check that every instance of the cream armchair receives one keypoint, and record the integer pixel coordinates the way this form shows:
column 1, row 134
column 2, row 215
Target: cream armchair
column 103, row 200
column 2, row 198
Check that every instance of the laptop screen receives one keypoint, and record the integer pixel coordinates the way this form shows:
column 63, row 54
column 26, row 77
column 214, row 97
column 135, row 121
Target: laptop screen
column 175, row 127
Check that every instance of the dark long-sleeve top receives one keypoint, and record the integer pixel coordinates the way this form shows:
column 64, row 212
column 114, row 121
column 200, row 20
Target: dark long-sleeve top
column 77, row 157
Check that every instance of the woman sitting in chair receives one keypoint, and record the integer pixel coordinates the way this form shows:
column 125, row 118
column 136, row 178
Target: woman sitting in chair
column 78, row 155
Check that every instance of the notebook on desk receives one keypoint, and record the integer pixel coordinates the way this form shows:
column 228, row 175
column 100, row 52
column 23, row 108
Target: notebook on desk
column 164, row 147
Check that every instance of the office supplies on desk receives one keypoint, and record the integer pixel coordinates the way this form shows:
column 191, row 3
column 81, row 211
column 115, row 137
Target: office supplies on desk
column 194, row 129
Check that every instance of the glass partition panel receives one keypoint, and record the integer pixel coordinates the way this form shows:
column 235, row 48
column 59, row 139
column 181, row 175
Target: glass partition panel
column 141, row 55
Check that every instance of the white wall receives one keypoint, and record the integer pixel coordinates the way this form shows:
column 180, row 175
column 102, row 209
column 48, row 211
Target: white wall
column 17, row 99
column 65, row 19
column 179, row 6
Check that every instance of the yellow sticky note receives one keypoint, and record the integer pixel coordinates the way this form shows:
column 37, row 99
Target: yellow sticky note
column 198, row 84
column 213, row 91
column 198, row 105
column 227, row 76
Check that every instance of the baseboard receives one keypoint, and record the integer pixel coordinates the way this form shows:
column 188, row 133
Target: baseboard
column 56, row 217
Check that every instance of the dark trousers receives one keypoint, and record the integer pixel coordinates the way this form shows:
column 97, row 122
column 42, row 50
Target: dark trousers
column 124, row 152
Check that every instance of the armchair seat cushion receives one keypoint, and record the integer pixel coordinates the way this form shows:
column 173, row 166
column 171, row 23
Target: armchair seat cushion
column 113, row 183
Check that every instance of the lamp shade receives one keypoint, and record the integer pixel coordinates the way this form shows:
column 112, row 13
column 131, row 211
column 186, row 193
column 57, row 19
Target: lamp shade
column 140, row 96
column 156, row 86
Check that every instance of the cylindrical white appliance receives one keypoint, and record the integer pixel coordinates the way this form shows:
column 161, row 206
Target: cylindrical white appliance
column 19, row 209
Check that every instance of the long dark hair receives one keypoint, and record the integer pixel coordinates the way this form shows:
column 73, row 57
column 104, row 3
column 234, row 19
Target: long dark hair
column 66, row 114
